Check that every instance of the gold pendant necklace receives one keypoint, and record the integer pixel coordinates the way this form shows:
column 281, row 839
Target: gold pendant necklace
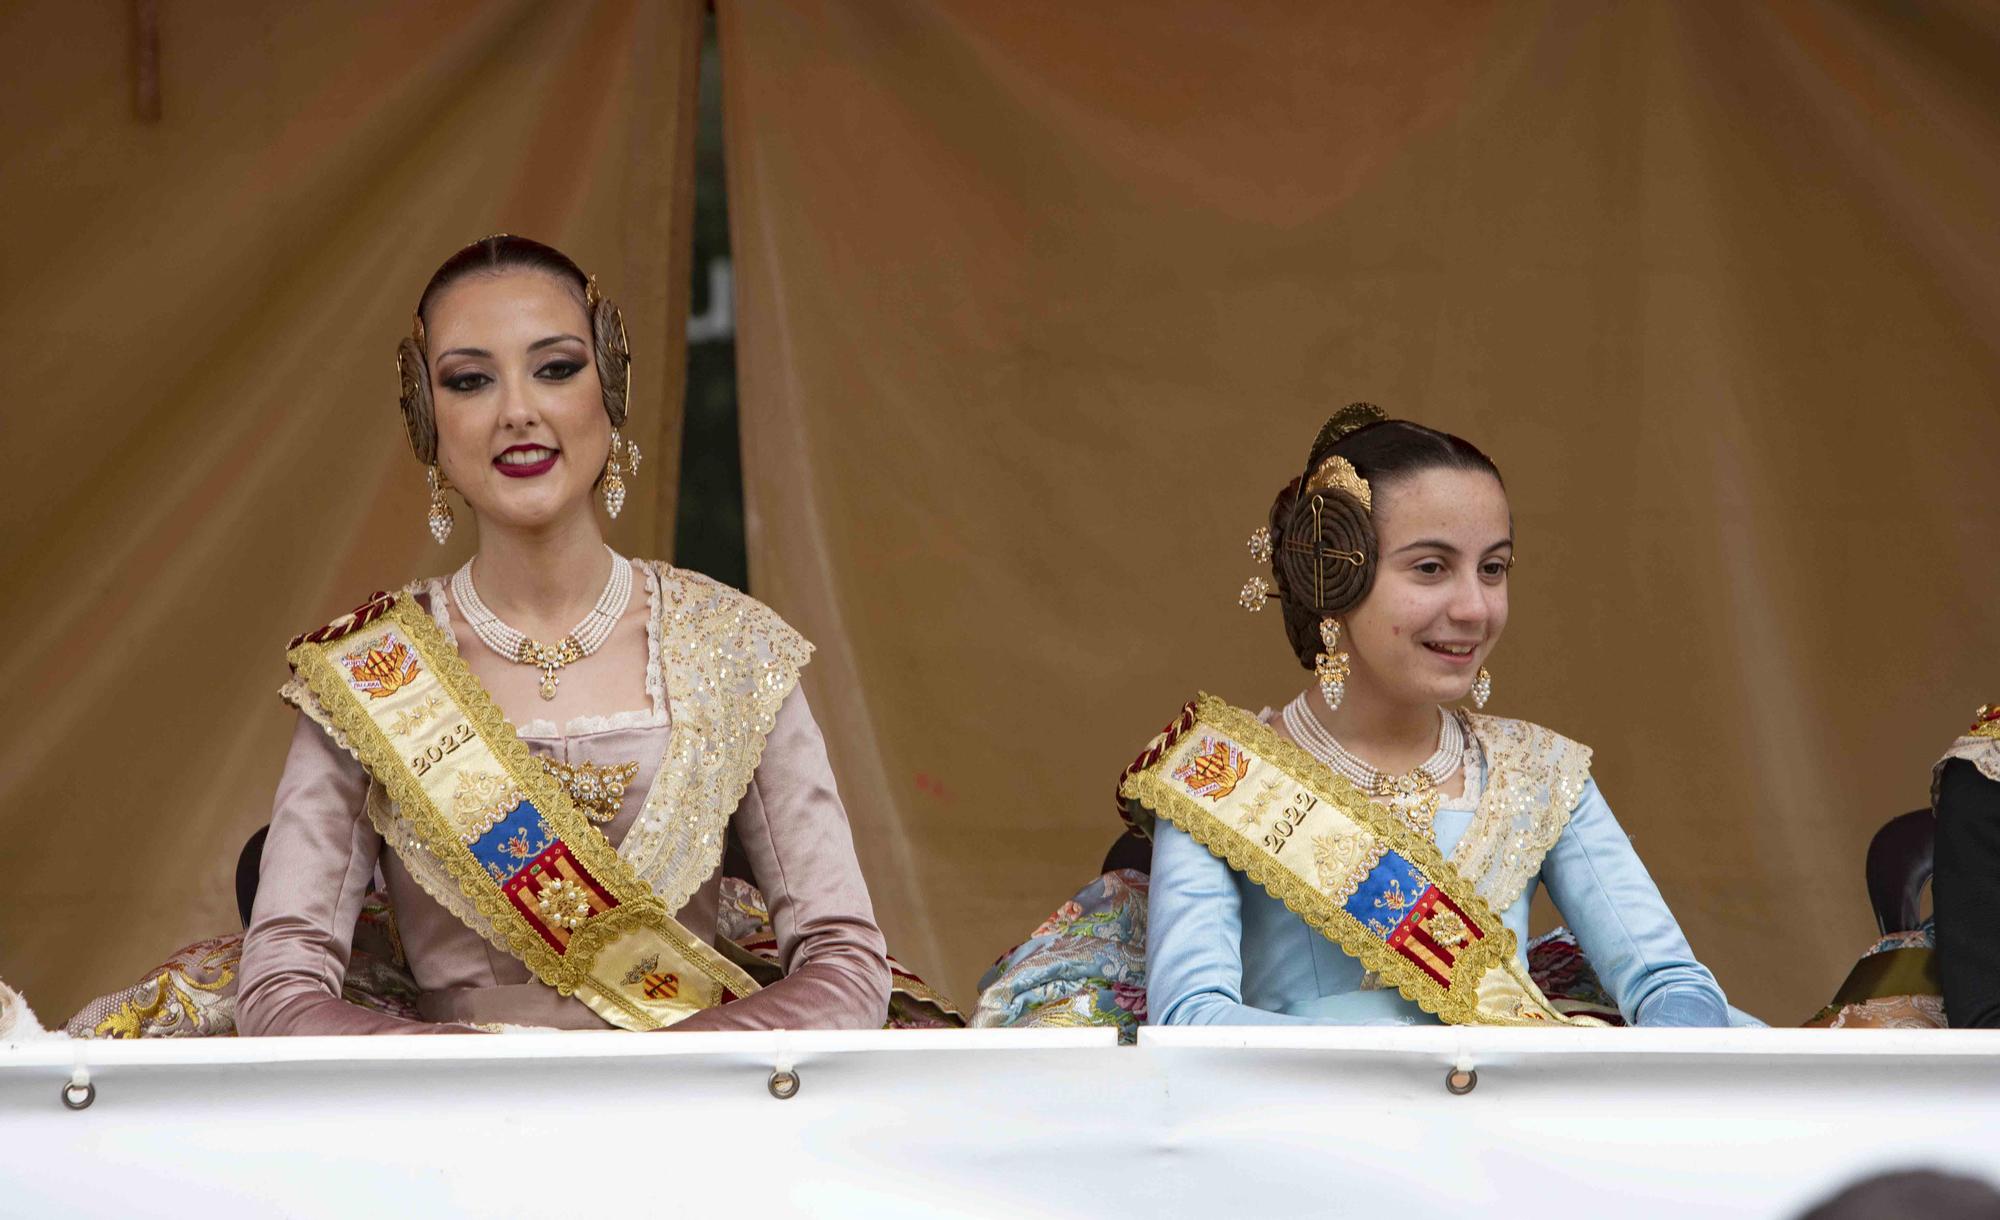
column 583, row 639
column 1412, row 796
column 549, row 658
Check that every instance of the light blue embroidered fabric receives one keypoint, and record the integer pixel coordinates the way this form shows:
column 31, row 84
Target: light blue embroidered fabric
column 1085, row 965
column 1221, row 951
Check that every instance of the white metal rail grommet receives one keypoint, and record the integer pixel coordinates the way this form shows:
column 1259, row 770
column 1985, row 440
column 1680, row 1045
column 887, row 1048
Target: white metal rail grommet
column 78, row 1093
column 1461, row 1078
column 784, row 1082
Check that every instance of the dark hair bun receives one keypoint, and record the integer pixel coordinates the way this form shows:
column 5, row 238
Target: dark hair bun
column 1325, row 552
column 1323, row 555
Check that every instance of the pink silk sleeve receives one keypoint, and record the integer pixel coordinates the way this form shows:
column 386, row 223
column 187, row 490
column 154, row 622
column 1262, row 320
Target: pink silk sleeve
column 318, row 863
column 794, row 830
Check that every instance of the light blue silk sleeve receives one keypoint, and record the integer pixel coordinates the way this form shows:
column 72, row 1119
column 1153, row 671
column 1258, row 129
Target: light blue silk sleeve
column 1623, row 925
column 1194, row 939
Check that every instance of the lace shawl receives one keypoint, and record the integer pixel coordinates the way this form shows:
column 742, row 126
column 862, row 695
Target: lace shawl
column 1534, row 780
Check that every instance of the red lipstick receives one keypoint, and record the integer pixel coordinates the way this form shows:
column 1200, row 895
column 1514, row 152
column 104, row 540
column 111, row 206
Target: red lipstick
column 526, row 470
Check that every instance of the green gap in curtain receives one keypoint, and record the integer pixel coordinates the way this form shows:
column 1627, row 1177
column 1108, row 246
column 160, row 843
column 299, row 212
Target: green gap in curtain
column 708, row 528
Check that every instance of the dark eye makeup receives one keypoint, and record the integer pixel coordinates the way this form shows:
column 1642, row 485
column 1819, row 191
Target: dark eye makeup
column 473, row 379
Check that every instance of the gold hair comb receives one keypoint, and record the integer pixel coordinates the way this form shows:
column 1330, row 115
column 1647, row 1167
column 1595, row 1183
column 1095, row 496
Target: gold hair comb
column 1348, row 420
column 1338, row 474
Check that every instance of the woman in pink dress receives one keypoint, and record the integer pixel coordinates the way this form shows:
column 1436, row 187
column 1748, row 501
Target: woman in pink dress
column 663, row 706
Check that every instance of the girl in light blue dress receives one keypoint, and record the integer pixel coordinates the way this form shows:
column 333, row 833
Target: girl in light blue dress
column 1392, row 554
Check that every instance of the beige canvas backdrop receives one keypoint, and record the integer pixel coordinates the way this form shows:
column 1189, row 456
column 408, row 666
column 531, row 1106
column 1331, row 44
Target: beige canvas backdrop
column 1037, row 313
column 1040, row 302
column 198, row 400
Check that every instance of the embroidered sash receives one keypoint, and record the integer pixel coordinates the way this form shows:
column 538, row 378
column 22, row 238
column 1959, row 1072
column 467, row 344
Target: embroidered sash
column 548, row 882
column 1347, row 866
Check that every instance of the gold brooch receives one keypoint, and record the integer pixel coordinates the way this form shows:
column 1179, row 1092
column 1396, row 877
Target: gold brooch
column 563, row 904
column 597, row 789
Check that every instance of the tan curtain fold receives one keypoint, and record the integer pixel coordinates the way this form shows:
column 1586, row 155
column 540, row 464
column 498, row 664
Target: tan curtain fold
column 1039, row 303
column 199, row 396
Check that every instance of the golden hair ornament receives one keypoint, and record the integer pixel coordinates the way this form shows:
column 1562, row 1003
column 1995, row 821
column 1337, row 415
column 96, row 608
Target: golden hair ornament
column 613, row 348
column 1348, row 420
column 413, row 392
column 1336, row 473
column 1256, row 591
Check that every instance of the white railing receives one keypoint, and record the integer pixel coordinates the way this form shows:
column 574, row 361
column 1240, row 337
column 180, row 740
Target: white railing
column 1192, row 1122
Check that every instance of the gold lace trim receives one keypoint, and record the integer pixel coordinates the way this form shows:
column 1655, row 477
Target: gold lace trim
column 638, row 905
column 1534, row 779
column 1496, row 949
column 731, row 662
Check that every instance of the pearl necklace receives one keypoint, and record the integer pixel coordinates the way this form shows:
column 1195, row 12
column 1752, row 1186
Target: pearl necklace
column 1322, row 744
column 1413, row 794
column 583, row 639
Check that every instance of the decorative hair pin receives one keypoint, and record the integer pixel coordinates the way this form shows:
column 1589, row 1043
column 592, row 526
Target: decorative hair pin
column 1256, row 591
column 1321, row 552
column 1338, row 474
